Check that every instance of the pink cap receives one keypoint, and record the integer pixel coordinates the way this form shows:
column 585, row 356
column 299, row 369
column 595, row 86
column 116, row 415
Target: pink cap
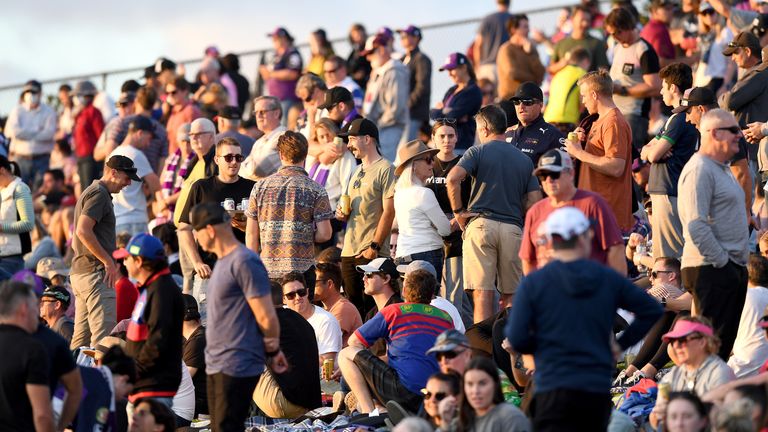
column 683, row 328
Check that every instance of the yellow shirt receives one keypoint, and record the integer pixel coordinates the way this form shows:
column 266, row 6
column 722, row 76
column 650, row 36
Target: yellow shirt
column 198, row 172
column 563, row 104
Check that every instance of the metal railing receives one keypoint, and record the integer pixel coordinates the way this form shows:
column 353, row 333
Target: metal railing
column 440, row 39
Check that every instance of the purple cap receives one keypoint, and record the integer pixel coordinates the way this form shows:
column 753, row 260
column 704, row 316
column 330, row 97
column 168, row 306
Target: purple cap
column 453, row 61
column 411, row 30
column 30, row 278
column 280, row 32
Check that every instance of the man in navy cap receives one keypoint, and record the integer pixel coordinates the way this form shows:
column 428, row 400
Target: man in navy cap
column 420, row 68
column 154, row 337
column 533, row 135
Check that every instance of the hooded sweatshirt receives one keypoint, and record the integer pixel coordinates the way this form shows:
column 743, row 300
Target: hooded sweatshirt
column 563, row 314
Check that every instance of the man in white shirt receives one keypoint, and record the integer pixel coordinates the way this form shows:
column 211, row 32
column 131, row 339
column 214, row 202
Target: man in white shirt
column 131, row 203
column 327, row 329
column 264, row 159
column 437, row 301
column 31, row 126
column 750, row 350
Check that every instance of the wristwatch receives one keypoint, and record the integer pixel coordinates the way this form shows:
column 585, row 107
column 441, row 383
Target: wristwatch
column 375, row 246
column 623, row 90
column 664, row 302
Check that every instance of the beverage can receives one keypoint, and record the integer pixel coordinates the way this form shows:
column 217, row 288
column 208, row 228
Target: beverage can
column 244, row 204
column 340, row 146
column 229, row 204
column 327, row 369
column 345, row 204
column 664, row 389
column 572, row 136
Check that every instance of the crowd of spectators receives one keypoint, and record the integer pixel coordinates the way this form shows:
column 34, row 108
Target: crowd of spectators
column 573, row 237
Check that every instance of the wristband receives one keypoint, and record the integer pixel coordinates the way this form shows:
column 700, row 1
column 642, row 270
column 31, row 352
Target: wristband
column 457, row 211
column 272, row 353
column 375, row 246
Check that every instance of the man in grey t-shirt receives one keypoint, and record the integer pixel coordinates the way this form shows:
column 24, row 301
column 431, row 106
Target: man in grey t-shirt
column 503, row 189
column 94, row 272
column 715, row 234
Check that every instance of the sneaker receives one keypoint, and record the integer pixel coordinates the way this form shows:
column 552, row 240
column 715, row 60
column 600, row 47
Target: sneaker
column 620, row 378
column 634, row 379
column 338, row 401
column 397, row 412
column 350, row 401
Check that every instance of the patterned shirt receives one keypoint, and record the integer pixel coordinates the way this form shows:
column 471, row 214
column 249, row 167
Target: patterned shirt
column 174, row 172
column 288, row 205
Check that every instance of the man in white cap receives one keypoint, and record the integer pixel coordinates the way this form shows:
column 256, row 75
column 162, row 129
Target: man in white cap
column 566, row 310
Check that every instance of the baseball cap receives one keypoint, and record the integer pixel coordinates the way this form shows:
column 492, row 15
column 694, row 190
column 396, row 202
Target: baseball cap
column 212, row 51
column 191, row 311
column 163, row 64
column 30, row 278
column 453, row 61
column 374, row 42
column 662, row 3
column 59, row 293
column 125, row 97
column 335, row 95
column 696, row 96
column 705, row 6
column 205, row 214
column 361, row 127
column 566, row 222
column 528, row 90
column 143, row 245
column 31, row 86
column 411, row 30
column 744, row 39
column 124, row 164
column 683, row 328
column 759, row 25
column 280, row 32
column 406, row 269
column 380, row 265
column 230, row 112
column 139, row 122
column 554, row 160
column 51, row 267
column 449, row 340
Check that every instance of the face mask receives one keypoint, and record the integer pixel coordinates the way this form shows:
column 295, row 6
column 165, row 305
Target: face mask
column 31, row 98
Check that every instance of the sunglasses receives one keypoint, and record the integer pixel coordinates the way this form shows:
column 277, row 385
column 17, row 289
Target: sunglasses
column 546, row 174
column 429, row 160
column 685, row 340
column 358, row 180
column 653, row 274
column 438, row 395
column 448, row 355
column 330, row 71
column 732, row 129
column 525, row 102
column 708, row 12
column 370, row 275
column 236, row 157
column 171, row 92
column 292, row 295
column 309, row 98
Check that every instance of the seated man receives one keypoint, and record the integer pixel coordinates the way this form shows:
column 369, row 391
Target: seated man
column 327, row 330
column 327, row 291
column 410, row 329
column 296, row 391
column 53, row 309
column 437, row 301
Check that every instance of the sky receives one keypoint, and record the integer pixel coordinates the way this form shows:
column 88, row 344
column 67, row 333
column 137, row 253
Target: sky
column 53, row 39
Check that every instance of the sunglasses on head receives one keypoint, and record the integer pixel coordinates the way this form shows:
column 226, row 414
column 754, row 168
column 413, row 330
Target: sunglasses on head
column 545, row 174
column 292, row 295
column 448, row 355
column 525, row 102
column 236, row 157
column 438, row 395
column 446, row 120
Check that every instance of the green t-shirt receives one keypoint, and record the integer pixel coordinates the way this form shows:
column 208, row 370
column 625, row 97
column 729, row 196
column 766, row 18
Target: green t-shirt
column 596, row 48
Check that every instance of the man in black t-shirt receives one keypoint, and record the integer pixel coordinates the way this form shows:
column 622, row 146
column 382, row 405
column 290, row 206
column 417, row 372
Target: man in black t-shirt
column 226, row 185
column 291, row 394
column 25, row 397
column 194, row 353
column 668, row 152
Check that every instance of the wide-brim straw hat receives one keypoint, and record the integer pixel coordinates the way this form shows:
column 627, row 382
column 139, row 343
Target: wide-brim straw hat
column 410, row 151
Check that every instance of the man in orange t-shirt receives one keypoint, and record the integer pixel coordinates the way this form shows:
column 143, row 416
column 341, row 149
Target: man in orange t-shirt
column 606, row 159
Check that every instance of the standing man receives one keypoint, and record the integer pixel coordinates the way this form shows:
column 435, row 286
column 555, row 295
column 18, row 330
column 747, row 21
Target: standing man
column 420, row 69
column 668, row 152
column 182, row 110
column 94, row 272
column 290, row 212
column 715, row 236
column 263, row 159
column 25, row 399
column 154, row 337
column 89, row 124
column 216, row 189
column 606, row 158
column 533, row 135
column 243, row 334
column 503, row 189
column 581, row 20
column 386, row 96
column 31, row 126
column 490, row 36
column 573, row 301
column 555, row 172
column 656, row 30
column 228, row 122
column 634, row 74
column 131, row 203
column 372, row 210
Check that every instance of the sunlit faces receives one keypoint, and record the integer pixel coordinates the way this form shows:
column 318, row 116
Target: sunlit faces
column 445, row 139
column 435, row 391
column 267, row 115
column 682, row 416
column 478, row 389
column 295, row 296
column 228, row 159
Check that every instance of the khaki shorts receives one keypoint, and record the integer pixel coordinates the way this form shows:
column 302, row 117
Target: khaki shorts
column 490, row 255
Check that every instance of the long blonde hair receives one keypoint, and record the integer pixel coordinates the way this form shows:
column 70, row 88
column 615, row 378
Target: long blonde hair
column 407, row 178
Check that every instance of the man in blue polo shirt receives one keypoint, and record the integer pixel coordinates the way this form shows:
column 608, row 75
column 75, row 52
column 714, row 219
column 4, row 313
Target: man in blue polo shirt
column 410, row 330
column 533, row 135
column 668, row 152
